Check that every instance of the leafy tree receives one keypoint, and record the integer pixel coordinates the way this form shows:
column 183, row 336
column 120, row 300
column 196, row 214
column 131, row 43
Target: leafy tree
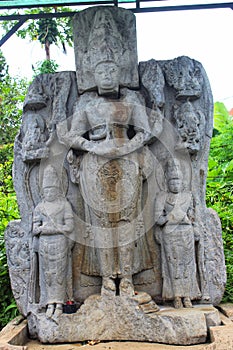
column 12, row 93
column 8, row 211
column 219, row 192
column 46, row 30
column 47, row 66
column 3, row 67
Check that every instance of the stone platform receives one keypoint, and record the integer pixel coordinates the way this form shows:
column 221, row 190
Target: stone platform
column 14, row 337
column 121, row 318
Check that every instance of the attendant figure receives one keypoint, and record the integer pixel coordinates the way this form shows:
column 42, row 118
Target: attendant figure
column 52, row 225
column 177, row 241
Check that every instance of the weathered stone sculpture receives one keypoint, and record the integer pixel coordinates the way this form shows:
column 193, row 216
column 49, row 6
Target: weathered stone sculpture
column 177, row 241
column 52, row 222
column 110, row 168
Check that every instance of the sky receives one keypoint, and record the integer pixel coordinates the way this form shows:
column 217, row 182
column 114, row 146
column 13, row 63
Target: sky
column 205, row 35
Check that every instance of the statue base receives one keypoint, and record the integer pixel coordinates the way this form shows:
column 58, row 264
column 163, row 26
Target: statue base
column 122, row 318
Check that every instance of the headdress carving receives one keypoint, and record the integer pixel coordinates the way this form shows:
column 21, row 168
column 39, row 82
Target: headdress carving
column 173, row 170
column 111, row 36
column 50, row 178
column 184, row 74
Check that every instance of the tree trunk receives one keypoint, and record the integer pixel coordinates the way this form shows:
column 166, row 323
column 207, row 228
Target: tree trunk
column 47, row 50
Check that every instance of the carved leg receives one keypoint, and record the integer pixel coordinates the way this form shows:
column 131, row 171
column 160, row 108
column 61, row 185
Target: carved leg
column 187, row 302
column 177, row 303
column 108, row 287
column 126, row 286
column 58, row 312
column 50, row 310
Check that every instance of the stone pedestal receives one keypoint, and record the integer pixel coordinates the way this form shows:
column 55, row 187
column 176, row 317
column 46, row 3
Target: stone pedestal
column 123, row 319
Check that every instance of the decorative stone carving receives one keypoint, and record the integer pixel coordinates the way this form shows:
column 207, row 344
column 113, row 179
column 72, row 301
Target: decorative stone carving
column 185, row 76
column 35, row 139
column 110, row 180
column 105, row 36
column 177, row 240
column 52, row 224
column 190, row 126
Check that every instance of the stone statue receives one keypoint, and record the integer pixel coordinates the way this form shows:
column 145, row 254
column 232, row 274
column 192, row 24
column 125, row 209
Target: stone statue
column 36, row 137
column 52, row 224
column 191, row 127
column 110, row 169
column 177, row 241
column 113, row 160
column 113, row 166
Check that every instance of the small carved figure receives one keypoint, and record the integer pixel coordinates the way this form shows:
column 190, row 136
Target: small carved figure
column 52, row 224
column 177, row 241
column 35, row 140
column 190, row 126
column 184, row 74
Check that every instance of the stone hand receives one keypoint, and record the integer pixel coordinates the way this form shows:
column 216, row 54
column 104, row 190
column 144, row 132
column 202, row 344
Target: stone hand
column 62, row 133
column 156, row 118
column 106, row 149
column 162, row 220
column 36, row 230
column 49, row 229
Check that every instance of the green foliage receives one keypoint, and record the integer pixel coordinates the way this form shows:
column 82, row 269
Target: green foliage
column 12, row 94
column 47, row 66
column 45, row 30
column 219, row 192
column 3, row 67
column 8, row 211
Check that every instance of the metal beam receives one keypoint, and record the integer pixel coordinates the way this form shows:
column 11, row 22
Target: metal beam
column 23, row 18
column 137, row 9
column 184, row 7
column 39, row 3
column 13, row 30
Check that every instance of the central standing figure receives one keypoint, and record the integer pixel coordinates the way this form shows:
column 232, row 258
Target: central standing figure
column 111, row 128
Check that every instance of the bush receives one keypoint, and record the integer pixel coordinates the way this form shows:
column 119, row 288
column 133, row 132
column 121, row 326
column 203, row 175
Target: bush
column 219, row 192
column 8, row 211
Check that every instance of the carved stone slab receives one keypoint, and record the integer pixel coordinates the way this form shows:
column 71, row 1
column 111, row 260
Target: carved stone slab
column 110, row 175
column 105, row 35
column 121, row 318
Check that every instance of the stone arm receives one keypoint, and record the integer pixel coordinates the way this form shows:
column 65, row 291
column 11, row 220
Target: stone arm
column 37, row 221
column 41, row 223
column 159, row 211
column 156, row 122
column 176, row 214
column 45, row 225
column 68, row 224
column 73, row 138
column 179, row 213
column 109, row 150
column 143, row 133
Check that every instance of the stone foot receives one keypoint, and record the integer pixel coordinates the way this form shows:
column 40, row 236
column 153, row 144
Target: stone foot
column 146, row 304
column 177, row 303
column 108, row 287
column 50, row 310
column 150, row 307
column 187, row 302
column 57, row 313
column 126, row 287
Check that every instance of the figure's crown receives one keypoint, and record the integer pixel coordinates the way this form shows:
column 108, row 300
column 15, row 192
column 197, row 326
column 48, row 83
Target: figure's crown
column 50, row 178
column 173, row 170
